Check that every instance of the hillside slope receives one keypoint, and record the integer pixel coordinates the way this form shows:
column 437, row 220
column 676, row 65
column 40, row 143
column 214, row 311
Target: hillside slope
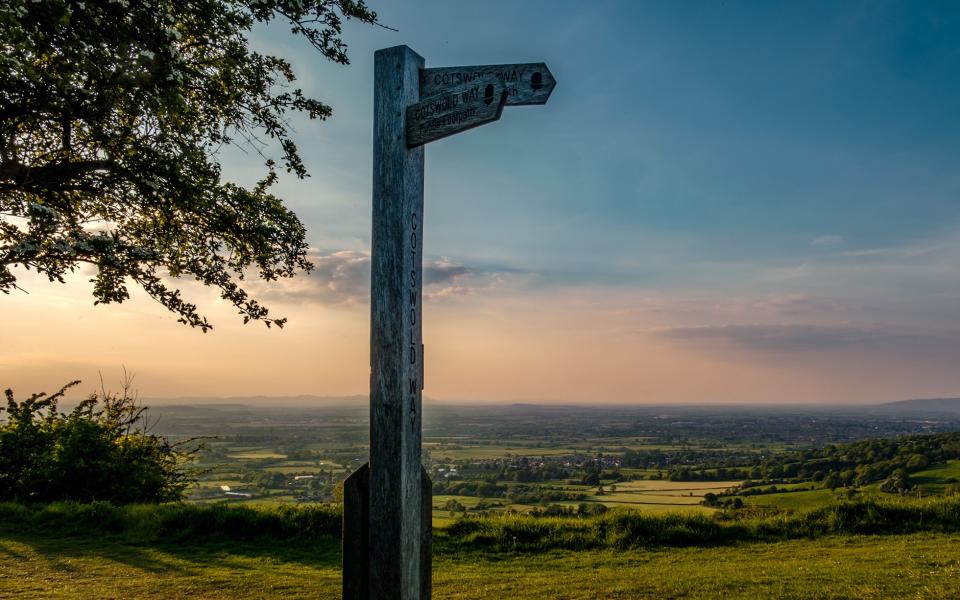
column 919, row 406
column 220, row 552
column 919, row 565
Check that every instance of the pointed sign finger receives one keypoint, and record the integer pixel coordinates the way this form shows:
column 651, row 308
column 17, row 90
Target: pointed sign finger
column 455, row 109
column 526, row 83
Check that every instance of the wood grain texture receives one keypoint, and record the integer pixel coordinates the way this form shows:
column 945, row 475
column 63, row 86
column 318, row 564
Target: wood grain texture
column 426, row 535
column 526, row 83
column 395, row 335
column 458, row 108
column 356, row 533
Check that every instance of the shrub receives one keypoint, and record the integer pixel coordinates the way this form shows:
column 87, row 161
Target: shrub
column 510, row 532
column 100, row 451
column 174, row 522
column 622, row 528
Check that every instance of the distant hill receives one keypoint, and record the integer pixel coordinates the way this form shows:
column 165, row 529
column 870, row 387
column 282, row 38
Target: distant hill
column 923, row 405
column 303, row 401
column 257, row 402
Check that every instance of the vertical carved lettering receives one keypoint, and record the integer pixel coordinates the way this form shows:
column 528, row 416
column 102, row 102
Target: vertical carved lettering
column 413, row 340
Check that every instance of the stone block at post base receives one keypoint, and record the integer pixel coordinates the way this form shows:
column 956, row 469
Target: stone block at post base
column 356, row 534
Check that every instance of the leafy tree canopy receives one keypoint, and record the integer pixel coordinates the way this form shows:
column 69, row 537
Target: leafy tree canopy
column 111, row 115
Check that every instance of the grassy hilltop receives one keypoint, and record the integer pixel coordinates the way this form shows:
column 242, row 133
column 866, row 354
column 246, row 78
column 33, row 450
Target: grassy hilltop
column 580, row 508
column 861, row 549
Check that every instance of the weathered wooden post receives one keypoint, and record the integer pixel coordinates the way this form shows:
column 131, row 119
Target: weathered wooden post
column 387, row 503
column 386, row 499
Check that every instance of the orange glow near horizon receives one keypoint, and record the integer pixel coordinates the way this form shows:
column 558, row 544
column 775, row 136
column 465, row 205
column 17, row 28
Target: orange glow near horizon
column 572, row 346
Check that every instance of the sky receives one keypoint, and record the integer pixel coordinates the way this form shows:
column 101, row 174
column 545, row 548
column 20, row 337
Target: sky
column 736, row 202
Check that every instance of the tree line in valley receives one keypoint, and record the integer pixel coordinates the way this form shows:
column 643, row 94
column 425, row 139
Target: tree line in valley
column 889, row 461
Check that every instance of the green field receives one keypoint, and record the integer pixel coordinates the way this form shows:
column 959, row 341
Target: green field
column 538, row 447
column 257, row 455
column 794, row 500
column 646, row 492
column 938, row 477
column 644, row 495
column 916, row 566
column 289, row 468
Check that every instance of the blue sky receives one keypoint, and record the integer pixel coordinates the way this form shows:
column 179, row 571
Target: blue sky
column 693, row 131
column 806, row 151
column 722, row 201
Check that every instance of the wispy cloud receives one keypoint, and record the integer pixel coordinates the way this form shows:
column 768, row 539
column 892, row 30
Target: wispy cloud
column 343, row 277
column 710, row 307
column 444, row 271
column 340, row 277
column 827, row 241
column 870, row 252
column 947, row 248
column 796, row 304
column 807, row 338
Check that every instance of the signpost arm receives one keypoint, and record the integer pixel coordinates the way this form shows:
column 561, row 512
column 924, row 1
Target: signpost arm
column 395, row 336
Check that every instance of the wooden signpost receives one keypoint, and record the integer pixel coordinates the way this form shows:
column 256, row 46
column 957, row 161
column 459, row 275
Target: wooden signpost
column 387, row 502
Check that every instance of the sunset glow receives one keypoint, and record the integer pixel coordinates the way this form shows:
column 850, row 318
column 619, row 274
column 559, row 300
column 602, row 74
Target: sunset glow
column 712, row 209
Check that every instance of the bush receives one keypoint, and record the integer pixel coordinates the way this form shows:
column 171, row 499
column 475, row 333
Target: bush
column 510, row 532
column 100, row 451
column 623, row 528
column 174, row 522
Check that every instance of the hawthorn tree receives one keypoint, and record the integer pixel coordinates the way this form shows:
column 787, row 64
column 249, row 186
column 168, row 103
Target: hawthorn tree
column 111, row 116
